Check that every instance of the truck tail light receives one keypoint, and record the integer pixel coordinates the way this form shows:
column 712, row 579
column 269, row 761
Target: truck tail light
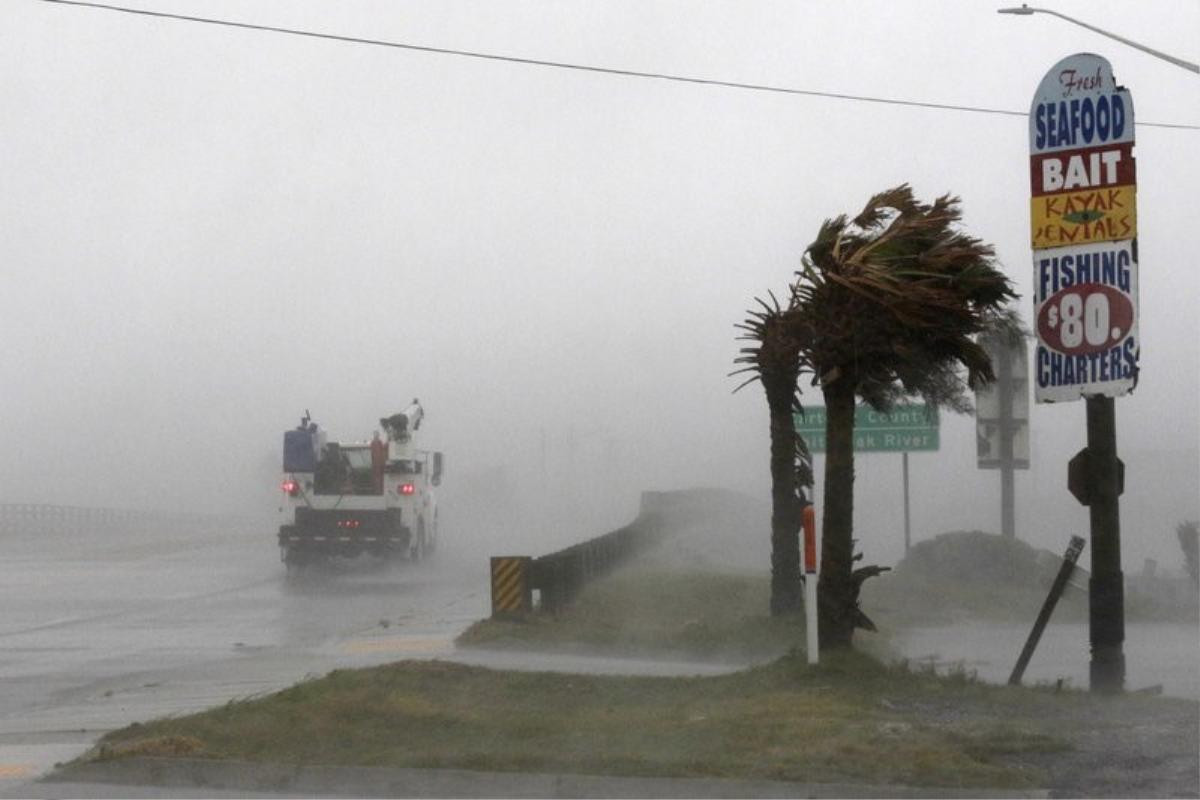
column 290, row 487
column 407, row 488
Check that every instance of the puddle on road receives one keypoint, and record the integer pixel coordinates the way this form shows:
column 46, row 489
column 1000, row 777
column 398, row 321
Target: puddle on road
column 25, row 762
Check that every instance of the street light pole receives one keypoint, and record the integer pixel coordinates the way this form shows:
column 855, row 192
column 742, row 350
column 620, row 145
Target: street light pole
column 1025, row 11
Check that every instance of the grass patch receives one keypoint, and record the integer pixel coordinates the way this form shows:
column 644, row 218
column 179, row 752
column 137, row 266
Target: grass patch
column 162, row 746
column 1003, row 740
column 850, row 719
column 645, row 611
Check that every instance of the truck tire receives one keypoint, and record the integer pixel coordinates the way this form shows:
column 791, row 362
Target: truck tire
column 417, row 551
column 293, row 562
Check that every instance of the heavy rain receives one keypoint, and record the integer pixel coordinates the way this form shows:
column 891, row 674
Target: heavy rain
column 539, row 223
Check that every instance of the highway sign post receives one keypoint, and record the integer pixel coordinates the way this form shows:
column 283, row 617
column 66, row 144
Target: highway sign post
column 1083, row 213
column 909, row 427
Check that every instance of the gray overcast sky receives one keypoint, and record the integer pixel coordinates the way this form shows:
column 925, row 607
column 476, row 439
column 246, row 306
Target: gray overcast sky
column 206, row 231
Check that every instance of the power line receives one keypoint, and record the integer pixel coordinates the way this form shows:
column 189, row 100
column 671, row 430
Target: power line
column 629, row 73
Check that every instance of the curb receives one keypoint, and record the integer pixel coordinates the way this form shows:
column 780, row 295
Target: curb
column 373, row 782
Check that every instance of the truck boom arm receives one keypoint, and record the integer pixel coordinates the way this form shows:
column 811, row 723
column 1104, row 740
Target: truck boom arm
column 399, row 427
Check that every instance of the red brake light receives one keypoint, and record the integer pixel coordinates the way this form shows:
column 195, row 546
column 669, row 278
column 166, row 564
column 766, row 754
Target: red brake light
column 290, row 487
column 407, row 488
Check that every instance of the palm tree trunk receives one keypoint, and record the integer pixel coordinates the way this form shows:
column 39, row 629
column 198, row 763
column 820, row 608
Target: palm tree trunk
column 836, row 594
column 786, row 593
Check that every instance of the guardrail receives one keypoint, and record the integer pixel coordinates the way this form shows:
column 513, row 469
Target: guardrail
column 45, row 518
column 558, row 577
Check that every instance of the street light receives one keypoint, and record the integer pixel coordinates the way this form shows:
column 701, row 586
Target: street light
column 1025, row 11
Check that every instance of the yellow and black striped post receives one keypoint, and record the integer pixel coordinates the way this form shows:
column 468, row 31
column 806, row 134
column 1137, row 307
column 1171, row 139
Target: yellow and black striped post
column 511, row 590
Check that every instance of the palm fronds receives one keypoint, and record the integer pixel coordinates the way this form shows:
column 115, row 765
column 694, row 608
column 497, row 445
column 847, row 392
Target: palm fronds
column 775, row 357
column 896, row 293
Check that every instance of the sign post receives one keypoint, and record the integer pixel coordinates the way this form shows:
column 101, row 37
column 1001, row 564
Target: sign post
column 1085, row 277
column 1002, row 422
column 1039, row 624
column 907, row 518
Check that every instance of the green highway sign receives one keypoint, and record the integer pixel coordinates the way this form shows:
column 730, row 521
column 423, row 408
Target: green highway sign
column 905, row 429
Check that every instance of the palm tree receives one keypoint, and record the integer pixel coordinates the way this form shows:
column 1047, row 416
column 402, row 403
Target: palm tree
column 775, row 362
column 885, row 306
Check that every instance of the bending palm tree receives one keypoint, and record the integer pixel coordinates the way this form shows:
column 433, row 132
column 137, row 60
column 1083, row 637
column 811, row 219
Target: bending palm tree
column 885, row 306
column 775, row 362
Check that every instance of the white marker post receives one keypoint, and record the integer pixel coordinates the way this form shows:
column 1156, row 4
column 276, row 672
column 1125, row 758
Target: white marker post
column 810, row 582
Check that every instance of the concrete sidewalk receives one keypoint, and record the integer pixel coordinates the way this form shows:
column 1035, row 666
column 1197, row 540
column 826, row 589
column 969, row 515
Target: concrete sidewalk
column 153, row 777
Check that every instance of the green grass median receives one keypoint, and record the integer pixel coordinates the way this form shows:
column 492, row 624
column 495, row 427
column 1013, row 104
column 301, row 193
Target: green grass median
column 849, row 720
column 663, row 612
column 852, row 719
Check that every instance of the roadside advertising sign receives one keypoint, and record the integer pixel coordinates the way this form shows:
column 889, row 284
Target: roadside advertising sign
column 1083, row 213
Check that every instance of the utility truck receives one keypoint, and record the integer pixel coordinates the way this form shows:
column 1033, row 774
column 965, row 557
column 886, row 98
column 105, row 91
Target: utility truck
column 346, row 499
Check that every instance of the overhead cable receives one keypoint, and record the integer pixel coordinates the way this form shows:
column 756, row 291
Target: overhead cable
column 629, row 73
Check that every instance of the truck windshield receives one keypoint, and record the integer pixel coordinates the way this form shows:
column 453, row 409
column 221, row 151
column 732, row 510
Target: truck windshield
column 346, row 470
column 359, row 457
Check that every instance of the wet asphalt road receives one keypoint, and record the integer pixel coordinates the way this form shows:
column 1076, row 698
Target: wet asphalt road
column 101, row 630
column 104, row 628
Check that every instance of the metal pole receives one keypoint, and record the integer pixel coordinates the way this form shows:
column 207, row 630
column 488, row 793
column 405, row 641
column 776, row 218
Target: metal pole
column 907, row 526
column 1004, row 392
column 1106, row 590
column 1026, row 10
column 1007, row 499
column 1039, row 625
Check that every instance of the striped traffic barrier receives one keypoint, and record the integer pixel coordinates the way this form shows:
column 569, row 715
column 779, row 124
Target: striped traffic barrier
column 511, row 589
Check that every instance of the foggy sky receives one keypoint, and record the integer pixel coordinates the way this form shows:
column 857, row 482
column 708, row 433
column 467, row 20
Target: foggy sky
column 207, row 231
